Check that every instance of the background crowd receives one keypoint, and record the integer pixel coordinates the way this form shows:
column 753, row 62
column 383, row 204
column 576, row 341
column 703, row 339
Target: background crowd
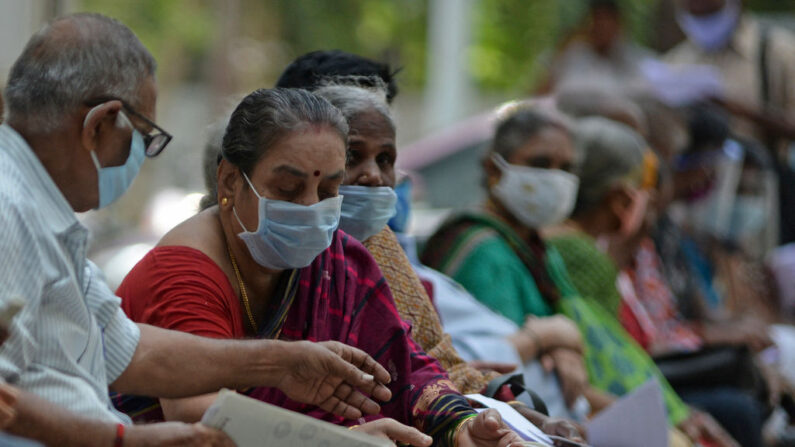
column 630, row 216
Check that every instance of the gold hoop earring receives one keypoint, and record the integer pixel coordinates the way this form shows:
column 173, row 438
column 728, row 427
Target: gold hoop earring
column 224, row 201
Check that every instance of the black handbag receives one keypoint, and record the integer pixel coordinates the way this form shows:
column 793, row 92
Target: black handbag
column 715, row 366
column 516, row 384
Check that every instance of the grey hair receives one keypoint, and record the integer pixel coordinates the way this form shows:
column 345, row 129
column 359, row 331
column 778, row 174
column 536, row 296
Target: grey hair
column 520, row 121
column 210, row 159
column 73, row 59
column 353, row 95
column 266, row 116
column 610, row 151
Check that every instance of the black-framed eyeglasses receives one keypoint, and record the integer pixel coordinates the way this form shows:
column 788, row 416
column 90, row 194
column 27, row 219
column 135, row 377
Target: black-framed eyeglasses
column 154, row 141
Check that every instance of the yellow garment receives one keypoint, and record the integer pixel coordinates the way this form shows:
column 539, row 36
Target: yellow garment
column 415, row 307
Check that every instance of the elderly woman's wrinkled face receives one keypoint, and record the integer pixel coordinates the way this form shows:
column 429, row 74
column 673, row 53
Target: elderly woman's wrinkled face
column 371, row 150
column 551, row 148
column 304, row 167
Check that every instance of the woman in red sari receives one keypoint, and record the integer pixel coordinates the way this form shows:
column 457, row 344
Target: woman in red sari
column 267, row 262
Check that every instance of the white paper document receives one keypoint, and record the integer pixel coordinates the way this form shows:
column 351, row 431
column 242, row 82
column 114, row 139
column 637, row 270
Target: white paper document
column 524, row 428
column 639, row 418
column 252, row 423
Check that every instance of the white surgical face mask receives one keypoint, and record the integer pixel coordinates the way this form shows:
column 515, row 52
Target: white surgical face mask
column 536, row 197
column 366, row 209
column 289, row 235
column 714, row 31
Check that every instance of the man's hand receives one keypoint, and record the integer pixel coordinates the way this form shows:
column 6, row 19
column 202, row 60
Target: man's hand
column 570, row 369
column 8, row 400
column 331, row 376
column 500, row 367
column 395, row 431
column 487, row 430
column 175, row 434
column 551, row 426
column 555, row 332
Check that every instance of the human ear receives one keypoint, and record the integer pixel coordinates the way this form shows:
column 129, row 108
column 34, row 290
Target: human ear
column 229, row 181
column 97, row 122
column 491, row 171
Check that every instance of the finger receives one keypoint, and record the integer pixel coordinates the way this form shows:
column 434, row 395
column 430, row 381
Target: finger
column 488, row 421
column 364, row 362
column 8, row 395
column 356, row 399
column 403, row 433
column 7, row 416
column 336, row 406
column 500, row 367
column 547, row 362
column 360, row 380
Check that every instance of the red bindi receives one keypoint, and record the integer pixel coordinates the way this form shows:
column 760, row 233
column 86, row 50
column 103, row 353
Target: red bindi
column 317, row 173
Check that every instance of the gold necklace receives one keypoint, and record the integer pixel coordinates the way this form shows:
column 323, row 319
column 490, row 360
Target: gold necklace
column 243, row 293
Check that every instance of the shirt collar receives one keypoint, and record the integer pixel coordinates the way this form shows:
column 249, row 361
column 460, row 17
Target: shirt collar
column 59, row 213
column 744, row 39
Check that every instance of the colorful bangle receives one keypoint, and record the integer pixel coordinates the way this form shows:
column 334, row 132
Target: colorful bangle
column 352, row 427
column 459, row 428
column 119, row 441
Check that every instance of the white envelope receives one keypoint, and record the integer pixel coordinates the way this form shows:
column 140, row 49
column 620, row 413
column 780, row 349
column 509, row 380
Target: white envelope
column 252, row 423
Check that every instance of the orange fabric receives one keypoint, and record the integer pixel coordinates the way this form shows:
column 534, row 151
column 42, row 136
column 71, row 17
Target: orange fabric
column 415, row 307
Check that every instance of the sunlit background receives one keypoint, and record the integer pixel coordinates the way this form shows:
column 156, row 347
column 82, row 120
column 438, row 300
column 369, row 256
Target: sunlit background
column 457, row 59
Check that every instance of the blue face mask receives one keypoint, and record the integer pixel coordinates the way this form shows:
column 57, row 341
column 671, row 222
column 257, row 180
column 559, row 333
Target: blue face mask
column 113, row 181
column 400, row 221
column 714, row 31
column 366, row 209
column 289, row 235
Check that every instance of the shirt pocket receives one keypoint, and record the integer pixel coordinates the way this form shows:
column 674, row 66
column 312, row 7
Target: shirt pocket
column 67, row 325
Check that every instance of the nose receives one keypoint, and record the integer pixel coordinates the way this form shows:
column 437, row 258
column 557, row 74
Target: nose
column 308, row 199
column 369, row 175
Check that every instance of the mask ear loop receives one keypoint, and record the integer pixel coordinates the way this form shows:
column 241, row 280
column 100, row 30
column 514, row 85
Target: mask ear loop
column 93, row 154
column 234, row 211
column 250, row 185
column 499, row 161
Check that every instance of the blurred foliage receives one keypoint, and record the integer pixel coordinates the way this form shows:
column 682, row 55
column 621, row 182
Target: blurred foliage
column 511, row 38
column 178, row 33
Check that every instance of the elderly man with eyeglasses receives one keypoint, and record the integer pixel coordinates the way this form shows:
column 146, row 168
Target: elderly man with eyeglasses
column 81, row 121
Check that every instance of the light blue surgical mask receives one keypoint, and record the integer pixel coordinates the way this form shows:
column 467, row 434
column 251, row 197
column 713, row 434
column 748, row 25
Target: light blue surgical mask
column 113, row 181
column 714, row 31
column 366, row 209
column 289, row 235
column 400, row 221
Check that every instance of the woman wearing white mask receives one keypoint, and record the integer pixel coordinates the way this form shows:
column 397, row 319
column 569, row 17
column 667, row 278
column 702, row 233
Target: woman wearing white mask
column 368, row 204
column 498, row 254
column 268, row 263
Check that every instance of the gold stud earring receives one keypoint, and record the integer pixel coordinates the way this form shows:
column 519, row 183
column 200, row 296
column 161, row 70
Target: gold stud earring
column 224, row 201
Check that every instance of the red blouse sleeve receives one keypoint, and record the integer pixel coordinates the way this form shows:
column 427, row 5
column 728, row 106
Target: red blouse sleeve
column 181, row 288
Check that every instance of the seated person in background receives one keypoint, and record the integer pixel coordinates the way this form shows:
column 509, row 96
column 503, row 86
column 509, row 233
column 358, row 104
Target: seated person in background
column 608, row 231
column 499, row 256
column 80, row 150
column 370, row 201
column 266, row 262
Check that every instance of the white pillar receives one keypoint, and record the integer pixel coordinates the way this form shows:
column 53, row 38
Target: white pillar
column 448, row 85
